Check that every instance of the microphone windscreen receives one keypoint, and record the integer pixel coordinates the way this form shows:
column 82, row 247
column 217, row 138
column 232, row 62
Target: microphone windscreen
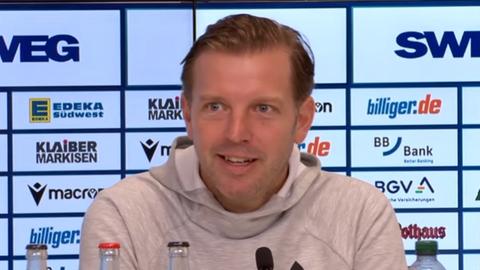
column 264, row 258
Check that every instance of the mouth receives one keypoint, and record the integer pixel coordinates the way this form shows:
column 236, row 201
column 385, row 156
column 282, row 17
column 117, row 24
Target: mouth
column 237, row 161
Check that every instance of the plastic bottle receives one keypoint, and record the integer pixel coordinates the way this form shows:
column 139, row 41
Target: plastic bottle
column 426, row 256
column 109, row 255
column 36, row 256
column 178, row 256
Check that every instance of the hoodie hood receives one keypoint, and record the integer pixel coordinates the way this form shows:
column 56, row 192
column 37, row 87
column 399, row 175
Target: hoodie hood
column 203, row 209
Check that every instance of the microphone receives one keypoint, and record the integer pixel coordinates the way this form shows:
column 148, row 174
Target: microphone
column 264, row 258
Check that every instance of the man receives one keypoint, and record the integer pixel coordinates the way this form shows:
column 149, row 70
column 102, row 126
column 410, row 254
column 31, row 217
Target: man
column 238, row 182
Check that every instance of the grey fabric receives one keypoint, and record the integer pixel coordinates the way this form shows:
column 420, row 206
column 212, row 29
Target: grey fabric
column 325, row 221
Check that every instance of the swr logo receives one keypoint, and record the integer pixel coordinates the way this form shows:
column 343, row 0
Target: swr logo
column 417, row 44
column 40, row 48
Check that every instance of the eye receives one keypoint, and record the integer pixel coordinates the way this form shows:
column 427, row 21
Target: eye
column 264, row 108
column 214, row 107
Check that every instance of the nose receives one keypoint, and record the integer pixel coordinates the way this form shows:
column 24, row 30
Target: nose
column 239, row 127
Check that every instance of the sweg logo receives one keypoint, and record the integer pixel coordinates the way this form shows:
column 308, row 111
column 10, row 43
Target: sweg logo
column 394, row 186
column 415, row 47
column 37, row 191
column 164, row 109
column 67, row 152
column 385, row 106
column 51, row 48
column 150, row 147
column 413, row 231
column 49, row 236
column 317, row 147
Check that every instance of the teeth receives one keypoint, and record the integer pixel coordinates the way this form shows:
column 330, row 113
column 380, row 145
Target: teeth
column 237, row 160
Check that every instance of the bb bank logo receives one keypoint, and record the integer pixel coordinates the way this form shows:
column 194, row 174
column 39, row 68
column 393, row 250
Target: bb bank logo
column 418, row 44
column 41, row 110
column 66, row 152
column 164, row 109
column 414, row 231
column 150, row 148
column 40, row 48
column 411, row 154
column 317, row 147
column 38, row 190
column 54, row 238
column 392, row 108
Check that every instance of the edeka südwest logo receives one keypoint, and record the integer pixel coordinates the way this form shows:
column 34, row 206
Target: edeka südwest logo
column 66, row 152
column 414, row 231
column 42, row 110
column 38, row 190
column 393, row 108
column 54, row 238
column 412, row 155
column 416, row 190
column 418, row 44
column 317, row 147
column 150, row 148
column 39, row 48
column 164, row 109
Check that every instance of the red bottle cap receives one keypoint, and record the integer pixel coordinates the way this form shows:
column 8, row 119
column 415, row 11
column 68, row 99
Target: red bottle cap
column 105, row 245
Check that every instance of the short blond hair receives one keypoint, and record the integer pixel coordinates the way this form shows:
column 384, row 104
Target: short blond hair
column 245, row 33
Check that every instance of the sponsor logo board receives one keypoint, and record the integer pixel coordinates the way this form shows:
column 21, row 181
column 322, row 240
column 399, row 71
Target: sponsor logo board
column 53, row 264
column 58, row 194
column 471, row 144
column 41, row 152
column 471, row 188
column 447, row 49
column 3, row 237
column 145, row 150
column 471, row 237
column 3, row 195
column 3, row 153
column 404, row 148
column 158, row 40
column 329, row 107
column 404, row 106
column 40, row 110
column 54, row 47
column 61, row 235
column 470, row 101
column 153, row 109
column 470, row 261
column 414, row 189
column 325, row 29
column 327, row 145
column 442, row 227
column 3, row 110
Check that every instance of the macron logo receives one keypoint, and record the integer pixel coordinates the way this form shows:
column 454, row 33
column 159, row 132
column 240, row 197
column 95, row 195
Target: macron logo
column 37, row 192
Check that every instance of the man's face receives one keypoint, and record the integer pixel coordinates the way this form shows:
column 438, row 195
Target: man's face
column 243, row 121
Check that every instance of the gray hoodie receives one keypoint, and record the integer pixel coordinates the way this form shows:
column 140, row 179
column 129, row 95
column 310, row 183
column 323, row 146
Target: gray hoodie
column 318, row 220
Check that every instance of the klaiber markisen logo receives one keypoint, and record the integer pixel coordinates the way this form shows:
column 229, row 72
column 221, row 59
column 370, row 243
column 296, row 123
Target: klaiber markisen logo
column 66, row 152
column 164, row 109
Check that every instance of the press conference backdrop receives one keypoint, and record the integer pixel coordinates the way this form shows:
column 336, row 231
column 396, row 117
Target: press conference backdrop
column 90, row 94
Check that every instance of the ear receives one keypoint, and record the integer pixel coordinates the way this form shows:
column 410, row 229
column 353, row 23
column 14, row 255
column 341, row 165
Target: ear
column 187, row 116
column 306, row 112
